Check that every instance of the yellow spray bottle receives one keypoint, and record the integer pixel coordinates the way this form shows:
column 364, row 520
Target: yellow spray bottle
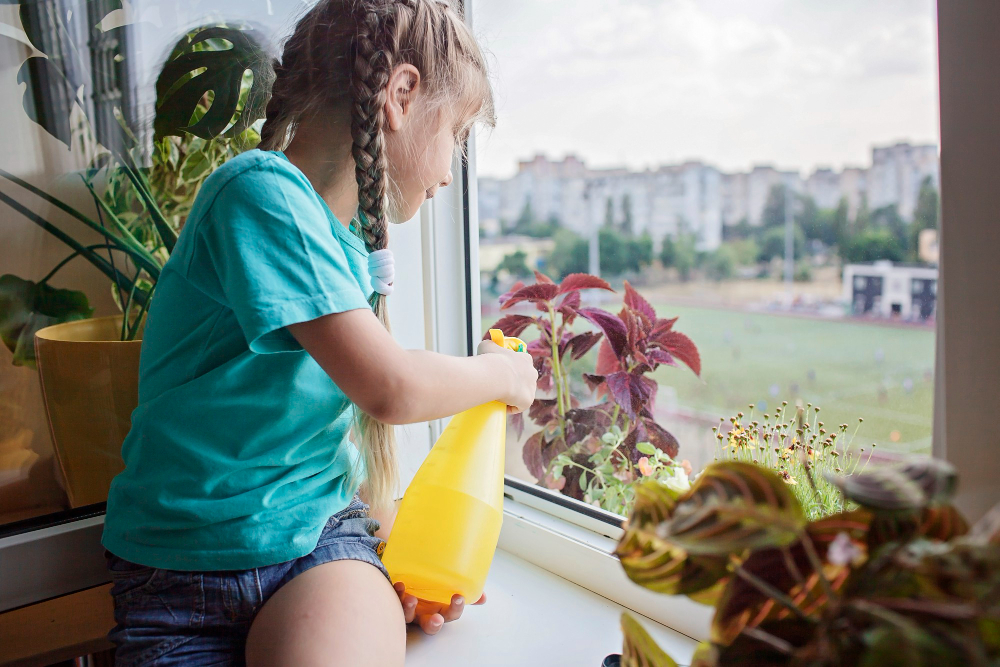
column 448, row 524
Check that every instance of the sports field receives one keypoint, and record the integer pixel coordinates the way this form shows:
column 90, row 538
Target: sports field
column 883, row 374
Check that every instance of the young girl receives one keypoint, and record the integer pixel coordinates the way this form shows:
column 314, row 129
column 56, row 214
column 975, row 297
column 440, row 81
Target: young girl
column 234, row 531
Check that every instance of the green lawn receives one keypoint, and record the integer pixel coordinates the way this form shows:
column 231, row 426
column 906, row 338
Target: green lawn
column 883, row 374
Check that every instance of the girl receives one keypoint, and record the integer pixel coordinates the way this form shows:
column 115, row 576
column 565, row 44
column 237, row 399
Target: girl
column 234, row 529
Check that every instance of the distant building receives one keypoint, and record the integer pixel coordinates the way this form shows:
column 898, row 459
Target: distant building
column 896, row 174
column 927, row 246
column 694, row 197
column 891, row 290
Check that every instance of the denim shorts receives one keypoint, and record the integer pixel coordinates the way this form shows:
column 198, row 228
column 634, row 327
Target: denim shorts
column 169, row 617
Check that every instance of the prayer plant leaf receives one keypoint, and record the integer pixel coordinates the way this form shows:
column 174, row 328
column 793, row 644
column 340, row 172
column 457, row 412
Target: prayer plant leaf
column 900, row 488
column 732, row 507
column 190, row 74
column 651, row 561
column 640, row 650
column 790, row 572
column 26, row 307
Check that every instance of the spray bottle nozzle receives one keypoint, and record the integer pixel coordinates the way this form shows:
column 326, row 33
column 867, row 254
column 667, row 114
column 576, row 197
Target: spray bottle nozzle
column 509, row 342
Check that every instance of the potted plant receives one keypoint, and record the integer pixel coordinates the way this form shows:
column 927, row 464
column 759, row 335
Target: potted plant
column 212, row 88
column 596, row 452
column 895, row 578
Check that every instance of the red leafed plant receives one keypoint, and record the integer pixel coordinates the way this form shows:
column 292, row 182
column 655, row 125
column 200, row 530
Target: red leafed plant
column 595, row 452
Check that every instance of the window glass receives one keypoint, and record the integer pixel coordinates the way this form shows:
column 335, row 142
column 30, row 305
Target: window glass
column 79, row 81
column 766, row 173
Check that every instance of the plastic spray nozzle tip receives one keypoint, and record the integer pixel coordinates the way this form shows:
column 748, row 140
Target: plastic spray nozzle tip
column 509, row 342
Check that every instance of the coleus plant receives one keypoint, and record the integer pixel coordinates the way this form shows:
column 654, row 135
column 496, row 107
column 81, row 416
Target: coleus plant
column 900, row 580
column 594, row 452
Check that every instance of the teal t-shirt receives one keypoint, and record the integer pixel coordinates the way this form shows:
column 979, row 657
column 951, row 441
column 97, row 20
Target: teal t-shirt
column 238, row 452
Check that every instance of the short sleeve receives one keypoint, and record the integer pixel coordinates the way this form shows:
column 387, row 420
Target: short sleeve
column 275, row 255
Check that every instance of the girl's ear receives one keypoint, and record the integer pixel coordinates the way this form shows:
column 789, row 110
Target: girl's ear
column 402, row 89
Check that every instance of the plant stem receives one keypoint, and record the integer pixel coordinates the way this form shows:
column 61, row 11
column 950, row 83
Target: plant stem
column 817, row 564
column 554, row 336
column 772, row 592
column 774, row 642
column 75, row 254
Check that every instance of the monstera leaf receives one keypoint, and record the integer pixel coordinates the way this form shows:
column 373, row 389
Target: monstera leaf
column 733, row 507
column 655, row 563
column 205, row 65
column 640, row 650
column 26, row 307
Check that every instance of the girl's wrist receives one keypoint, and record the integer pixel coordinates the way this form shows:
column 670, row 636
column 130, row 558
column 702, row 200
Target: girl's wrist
column 500, row 375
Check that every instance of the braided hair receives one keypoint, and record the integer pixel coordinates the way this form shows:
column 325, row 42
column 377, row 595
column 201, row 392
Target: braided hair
column 337, row 64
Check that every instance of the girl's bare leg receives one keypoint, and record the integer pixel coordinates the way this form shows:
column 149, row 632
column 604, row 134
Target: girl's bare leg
column 339, row 613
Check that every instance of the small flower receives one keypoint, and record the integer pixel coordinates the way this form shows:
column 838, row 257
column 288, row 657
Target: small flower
column 644, row 467
column 678, row 481
column 843, row 551
column 686, row 465
column 788, row 478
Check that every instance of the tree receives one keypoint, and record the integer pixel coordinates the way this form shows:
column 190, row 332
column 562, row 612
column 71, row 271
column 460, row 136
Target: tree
column 515, row 264
column 872, row 245
column 774, row 208
column 679, row 253
column 640, row 252
column 527, row 217
column 627, row 225
column 840, row 223
column 772, row 243
column 927, row 214
column 863, row 217
column 720, row 264
column 570, row 254
column 887, row 217
column 609, row 213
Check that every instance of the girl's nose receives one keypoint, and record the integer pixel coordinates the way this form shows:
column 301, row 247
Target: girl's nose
column 447, row 180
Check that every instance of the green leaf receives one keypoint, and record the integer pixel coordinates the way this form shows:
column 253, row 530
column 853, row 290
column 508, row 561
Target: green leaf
column 646, row 448
column 655, row 563
column 640, row 650
column 26, row 307
column 732, row 507
column 191, row 74
column 706, row 655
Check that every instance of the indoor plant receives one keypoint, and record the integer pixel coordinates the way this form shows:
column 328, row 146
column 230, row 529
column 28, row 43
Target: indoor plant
column 596, row 452
column 210, row 91
column 901, row 580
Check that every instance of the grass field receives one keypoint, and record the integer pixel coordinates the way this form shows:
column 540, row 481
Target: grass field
column 883, row 374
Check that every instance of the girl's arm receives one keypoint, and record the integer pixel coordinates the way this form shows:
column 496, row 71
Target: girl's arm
column 398, row 386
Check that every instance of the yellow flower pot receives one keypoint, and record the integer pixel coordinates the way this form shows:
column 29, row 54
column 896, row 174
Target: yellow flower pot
column 90, row 385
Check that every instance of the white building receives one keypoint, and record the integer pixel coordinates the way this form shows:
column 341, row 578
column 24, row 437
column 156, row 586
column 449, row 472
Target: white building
column 897, row 173
column 891, row 290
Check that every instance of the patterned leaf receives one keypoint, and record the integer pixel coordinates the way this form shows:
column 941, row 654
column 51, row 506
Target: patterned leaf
column 682, row 347
column 517, row 423
column 883, row 488
column 654, row 563
column 578, row 281
column 536, row 293
column 790, row 571
column 542, row 410
column 705, row 655
column 987, row 529
column 511, row 325
column 660, row 438
column 942, row 523
column 593, row 381
column 640, row 650
column 937, row 479
column 661, row 326
column 539, row 452
column 635, row 301
column 732, row 507
column 613, row 328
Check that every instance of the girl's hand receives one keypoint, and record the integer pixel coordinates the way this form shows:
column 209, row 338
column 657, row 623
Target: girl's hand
column 524, row 377
column 430, row 616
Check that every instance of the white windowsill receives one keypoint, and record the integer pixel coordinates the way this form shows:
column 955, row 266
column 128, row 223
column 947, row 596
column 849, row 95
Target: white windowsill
column 534, row 617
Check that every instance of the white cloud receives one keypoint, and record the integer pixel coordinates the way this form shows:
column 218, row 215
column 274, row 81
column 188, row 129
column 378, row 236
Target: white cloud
column 641, row 82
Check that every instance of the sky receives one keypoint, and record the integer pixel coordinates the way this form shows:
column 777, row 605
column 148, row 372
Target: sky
column 794, row 83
